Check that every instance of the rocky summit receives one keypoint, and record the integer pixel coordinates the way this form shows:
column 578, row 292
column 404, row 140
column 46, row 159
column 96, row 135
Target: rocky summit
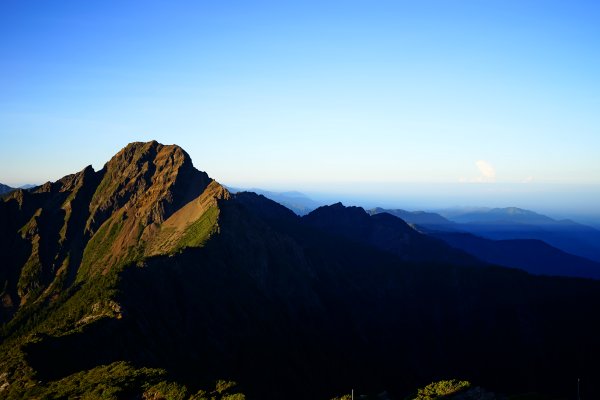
column 148, row 279
column 142, row 203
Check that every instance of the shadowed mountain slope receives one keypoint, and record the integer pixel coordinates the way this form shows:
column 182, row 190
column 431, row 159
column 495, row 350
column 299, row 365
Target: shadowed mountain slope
column 386, row 232
column 533, row 256
column 429, row 220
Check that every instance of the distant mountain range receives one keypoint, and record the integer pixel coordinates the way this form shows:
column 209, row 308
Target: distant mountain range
column 472, row 233
column 515, row 223
column 531, row 255
column 149, row 279
column 517, row 238
column 509, row 223
column 298, row 202
column 429, row 220
column 6, row 189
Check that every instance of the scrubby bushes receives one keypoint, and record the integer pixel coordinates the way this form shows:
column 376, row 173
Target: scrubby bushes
column 437, row 390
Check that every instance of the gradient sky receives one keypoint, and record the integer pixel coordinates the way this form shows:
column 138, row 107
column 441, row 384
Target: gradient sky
column 323, row 96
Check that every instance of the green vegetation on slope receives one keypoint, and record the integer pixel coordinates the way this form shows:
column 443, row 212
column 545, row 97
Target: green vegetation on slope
column 120, row 380
column 199, row 231
column 113, row 381
column 31, row 274
column 100, row 253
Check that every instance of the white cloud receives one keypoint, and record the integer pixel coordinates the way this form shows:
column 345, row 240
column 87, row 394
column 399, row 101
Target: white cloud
column 529, row 179
column 488, row 172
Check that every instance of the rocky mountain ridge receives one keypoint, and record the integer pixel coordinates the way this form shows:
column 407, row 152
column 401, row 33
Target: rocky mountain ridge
column 88, row 222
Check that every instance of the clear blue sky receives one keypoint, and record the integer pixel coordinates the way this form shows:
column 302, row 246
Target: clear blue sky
column 311, row 95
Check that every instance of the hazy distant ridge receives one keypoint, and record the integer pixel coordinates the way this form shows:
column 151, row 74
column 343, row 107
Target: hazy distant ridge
column 516, row 223
column 296, row 201
column 5, row 188
column 493, row 241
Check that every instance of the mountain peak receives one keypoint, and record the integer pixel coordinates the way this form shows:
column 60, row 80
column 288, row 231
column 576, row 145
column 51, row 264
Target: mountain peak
column 341, row 208
column 143, row 202
column 140, row 188
column 151, row 178
column 351, row 216
column 151, row 158
column 513, row 211
column 137, row 150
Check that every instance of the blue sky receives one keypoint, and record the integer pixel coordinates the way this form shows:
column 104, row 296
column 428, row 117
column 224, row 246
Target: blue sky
column 349, row 96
